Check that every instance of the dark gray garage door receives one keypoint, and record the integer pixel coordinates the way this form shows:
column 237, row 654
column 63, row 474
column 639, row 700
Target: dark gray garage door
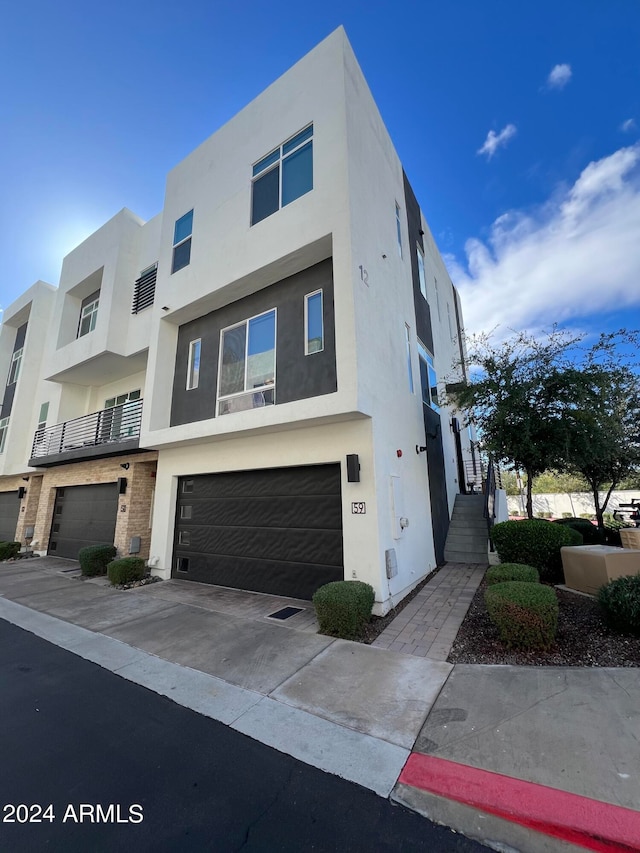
column 9, row 509
column 277, row 530
column 83, row 515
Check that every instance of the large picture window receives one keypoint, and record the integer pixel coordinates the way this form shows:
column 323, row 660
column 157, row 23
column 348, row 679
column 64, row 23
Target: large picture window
column 428, row 378
column 282, row 176
column 246, row 377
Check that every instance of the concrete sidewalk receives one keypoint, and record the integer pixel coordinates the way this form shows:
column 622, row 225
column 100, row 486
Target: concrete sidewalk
column 521, row 758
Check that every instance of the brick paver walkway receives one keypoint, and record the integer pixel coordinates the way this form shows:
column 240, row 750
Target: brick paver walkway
column 428, row 625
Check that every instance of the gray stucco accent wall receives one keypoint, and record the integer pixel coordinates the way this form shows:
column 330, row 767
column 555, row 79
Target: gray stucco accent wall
column 298, row 376
column 423, row 312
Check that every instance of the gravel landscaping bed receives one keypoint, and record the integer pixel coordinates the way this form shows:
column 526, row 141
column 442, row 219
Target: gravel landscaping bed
column 583, row 639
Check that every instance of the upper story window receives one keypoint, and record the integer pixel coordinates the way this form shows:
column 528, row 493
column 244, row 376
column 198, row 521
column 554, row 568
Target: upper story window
column 282, row 176
column 144, row 289
column 182, row 242
column 313, row 323
column 421, row 275
column 193, row 367
column 4, row 426
column 407, row 334
column 428, row 377
column 449, row 321
column 247, row 372
column 398, row 230
column 14, row 367
column 435, row 281
column 88, row 316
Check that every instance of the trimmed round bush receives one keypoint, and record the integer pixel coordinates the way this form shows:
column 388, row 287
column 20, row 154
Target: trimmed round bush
column 535, row 543
column 125, row 570
column 343, row 608
column 591, row 535
column 526, row 614
column 619, row 601
column 512, row 572
column 95, row 558
column 9, row 550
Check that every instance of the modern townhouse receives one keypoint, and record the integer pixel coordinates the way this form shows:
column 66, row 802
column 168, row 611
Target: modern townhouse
column 282, row 365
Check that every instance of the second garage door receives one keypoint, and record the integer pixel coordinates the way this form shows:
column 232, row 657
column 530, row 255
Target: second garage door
column 83, row 515
column 9, row 509
column 277, row 531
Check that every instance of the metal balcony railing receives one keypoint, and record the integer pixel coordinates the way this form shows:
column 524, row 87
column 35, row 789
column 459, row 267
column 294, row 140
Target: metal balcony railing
column 108, row 426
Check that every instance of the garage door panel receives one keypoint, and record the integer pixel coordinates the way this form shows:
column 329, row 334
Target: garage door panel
column 83, row 515
column 310, row 480
column 312, row 546
column 293, row 580
column 303, row 511
column 277, row 530
column 9, row 511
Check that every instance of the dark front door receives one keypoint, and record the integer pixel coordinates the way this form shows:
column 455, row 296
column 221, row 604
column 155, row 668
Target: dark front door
column 9, row 510
column 437, row 481
column 83, row 515
column 277, row 530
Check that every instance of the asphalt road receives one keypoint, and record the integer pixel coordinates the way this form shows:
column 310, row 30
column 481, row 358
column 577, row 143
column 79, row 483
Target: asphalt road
column 73, row 736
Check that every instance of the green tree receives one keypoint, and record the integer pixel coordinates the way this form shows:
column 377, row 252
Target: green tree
column 556, row 404
column 515, row 396
column 603, row 428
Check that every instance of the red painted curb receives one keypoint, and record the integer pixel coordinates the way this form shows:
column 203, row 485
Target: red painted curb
column 579, row 820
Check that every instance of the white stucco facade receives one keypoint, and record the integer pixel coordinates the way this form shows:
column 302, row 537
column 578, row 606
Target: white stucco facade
column 356, row 220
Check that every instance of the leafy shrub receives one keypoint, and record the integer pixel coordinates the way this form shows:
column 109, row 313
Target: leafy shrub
column 95, row 558
column 535, row 543
column 125, row 570
column 620, row 604
column 526, row 614
column 9, row 550
column 343, row 608
column 512, row 572
column 591, row 535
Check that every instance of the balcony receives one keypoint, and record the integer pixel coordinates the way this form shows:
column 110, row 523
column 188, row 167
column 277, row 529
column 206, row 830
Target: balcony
column 109, row 432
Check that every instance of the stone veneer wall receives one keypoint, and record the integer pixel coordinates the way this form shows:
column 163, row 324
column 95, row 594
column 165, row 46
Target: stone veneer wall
column 134, row 507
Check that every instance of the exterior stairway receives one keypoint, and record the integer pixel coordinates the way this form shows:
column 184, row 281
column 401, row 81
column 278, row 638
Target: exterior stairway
column 467, row 539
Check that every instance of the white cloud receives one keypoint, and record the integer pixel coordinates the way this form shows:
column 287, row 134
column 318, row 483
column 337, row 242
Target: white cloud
column 559, row 76
column 497, row 140
column 628, row 125
column 576, row 255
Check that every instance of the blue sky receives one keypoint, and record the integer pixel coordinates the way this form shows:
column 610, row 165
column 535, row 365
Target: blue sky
column 518, row 125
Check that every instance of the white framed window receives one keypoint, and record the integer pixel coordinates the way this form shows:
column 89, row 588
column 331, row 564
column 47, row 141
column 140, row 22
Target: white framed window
column 421, row 274
column 247, row 364
column 88, row 317
column 407, row 334
column 4, row 426
column 121, row 399
column 193, row 366
column 398, row 229
column 283, row 175
column 428, row 377
column 14, row 367
column 182, row 242
column 313, row 323
column 44, row 414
